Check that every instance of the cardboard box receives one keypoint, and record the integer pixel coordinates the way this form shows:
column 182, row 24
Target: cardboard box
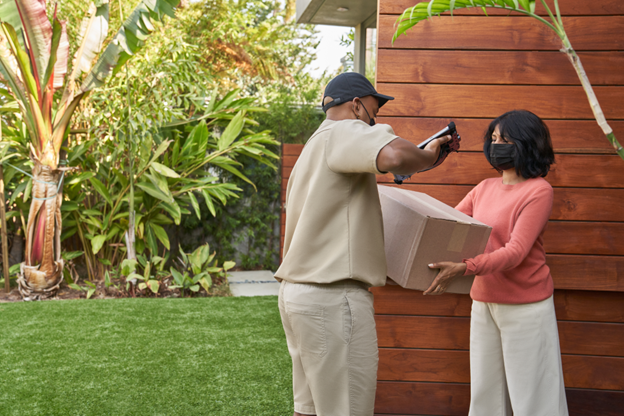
column 419, row 230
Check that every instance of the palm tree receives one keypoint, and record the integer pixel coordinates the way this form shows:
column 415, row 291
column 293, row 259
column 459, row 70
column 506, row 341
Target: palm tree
column 426, row 9
column 34, row 56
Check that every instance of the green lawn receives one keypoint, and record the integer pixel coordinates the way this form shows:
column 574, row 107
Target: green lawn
column 204, row 356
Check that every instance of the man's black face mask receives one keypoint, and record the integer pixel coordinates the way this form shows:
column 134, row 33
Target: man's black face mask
column 502, row 155
column 372, row 120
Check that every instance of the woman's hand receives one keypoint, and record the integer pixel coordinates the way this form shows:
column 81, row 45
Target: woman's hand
column 448, row 271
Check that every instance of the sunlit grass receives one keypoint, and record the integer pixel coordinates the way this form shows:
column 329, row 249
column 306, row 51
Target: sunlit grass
column 204, row 356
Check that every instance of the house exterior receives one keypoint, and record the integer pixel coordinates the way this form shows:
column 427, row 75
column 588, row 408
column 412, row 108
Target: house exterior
column 470, row 68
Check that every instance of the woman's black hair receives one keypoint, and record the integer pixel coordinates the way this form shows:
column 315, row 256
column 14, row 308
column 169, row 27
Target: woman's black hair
column 534, row 152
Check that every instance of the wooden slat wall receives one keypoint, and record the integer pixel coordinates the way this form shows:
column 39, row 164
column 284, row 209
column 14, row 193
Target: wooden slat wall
column 471, row 68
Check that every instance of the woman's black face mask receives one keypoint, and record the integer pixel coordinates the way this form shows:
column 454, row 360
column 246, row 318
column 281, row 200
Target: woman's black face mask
column 502, row 155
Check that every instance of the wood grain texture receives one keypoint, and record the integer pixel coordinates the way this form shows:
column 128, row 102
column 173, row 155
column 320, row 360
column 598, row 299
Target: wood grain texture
column 423, row 332
column 417, row 398
column 568, row 171
column 575, row 305
column 443, row 366
column 565, row 237
column 454, row 367
column 291, row 149
column 475, row 67
column 490, row 101
column 602, row 373
column 583, row 402
column 450, row 399
column 567, row 7
column 600, row 273
column 394, row 331
column 592, row 338
column 395, row 300
column 595, row 33
column 570, row 305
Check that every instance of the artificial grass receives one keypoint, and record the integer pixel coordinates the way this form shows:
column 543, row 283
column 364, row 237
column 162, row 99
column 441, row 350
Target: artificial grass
column 201, row 356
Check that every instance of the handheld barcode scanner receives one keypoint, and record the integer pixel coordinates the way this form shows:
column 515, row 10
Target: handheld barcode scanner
column 448, row 147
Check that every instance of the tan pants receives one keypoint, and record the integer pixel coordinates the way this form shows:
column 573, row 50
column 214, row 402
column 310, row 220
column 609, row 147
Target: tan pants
column 331, row 336
column 515, row 362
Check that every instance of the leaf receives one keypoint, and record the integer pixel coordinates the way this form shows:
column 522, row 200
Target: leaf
column 194, row 288
column 238, row 173
column 209, row 204
column 69, row 206
column 164, row 170
column 206, row 282
column 101, row 189
column 97, row 242
column 70, row 255
column 161, row 234
column 127, row 41
column 228, row 265
column 154, row 191
column 174, row 210
column 38, row 31
column 142, row 285
column 62, row 58
column 195, row 205
column 80, row 177
column 177, row 276
column 135, row 276
column 75, row 286
column 153, row 285
column 57, row 30
column 152, row 244
column 93, row 31
column 128, row 266
column 232, row 131
column 90, row 293
column 160, row 182
column 423, row 10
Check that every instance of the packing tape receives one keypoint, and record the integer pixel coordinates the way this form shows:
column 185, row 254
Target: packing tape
column 458, row 237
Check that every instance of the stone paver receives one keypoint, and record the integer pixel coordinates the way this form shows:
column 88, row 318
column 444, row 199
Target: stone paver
column 253, row 283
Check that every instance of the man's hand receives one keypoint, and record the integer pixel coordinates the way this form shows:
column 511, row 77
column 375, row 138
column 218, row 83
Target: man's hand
column 448, row 271
column 404, row 158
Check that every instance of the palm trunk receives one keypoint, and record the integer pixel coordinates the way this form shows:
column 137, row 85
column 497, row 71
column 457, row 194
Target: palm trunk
column 591, row 96
column 42, row 271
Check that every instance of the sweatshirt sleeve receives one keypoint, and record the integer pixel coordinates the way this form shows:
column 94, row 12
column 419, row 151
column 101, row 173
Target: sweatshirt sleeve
column 466, row 204
column 530, row 223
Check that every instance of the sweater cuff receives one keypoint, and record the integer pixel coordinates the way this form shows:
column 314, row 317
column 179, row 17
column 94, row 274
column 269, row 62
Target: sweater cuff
column 471, row 268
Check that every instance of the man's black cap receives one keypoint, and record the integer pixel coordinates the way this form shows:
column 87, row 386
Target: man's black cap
column 349, row 85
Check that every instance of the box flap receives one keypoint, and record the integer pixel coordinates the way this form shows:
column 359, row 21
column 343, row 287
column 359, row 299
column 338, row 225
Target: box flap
column 427, row 205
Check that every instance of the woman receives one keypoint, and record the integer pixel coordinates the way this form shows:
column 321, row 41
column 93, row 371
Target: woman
column 515, row 362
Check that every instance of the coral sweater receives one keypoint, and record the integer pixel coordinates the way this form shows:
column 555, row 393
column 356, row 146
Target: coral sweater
column 513, row 268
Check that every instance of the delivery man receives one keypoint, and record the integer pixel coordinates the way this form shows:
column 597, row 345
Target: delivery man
column 334, row 250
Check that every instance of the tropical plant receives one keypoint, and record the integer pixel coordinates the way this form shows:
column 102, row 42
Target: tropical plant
column 153, row 272
column 423, row 10
column 178, row 167
column 34, row 56
column 197, row 270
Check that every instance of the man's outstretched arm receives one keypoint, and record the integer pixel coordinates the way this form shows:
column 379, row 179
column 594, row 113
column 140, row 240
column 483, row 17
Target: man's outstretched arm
column 404, row 158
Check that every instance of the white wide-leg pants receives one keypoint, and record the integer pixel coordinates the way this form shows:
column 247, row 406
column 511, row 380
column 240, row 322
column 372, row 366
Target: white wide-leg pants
column 515, row 360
